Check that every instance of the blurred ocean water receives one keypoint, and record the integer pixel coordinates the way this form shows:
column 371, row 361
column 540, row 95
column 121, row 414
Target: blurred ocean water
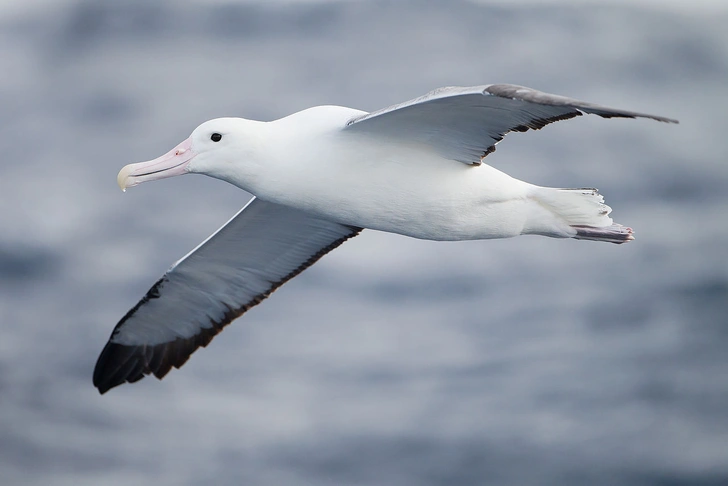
column 392, row 361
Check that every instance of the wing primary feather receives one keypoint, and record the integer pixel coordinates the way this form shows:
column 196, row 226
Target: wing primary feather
column 463, row 124
column 120, row 363
column 530, row 95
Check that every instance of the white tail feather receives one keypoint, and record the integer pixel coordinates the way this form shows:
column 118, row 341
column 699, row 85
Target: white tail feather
column 580, row 214
column 616, row 233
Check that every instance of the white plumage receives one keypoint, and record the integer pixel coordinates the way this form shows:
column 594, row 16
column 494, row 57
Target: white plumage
column 322, row 175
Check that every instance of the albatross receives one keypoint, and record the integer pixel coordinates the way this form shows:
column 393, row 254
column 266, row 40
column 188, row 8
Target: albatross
column 318, row 178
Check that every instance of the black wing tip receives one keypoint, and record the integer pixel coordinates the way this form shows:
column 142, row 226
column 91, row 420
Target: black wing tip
column 120, row 363
column 535, row 96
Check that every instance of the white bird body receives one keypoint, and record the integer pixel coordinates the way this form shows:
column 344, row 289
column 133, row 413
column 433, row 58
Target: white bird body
column 322, row 175
column 386, row 185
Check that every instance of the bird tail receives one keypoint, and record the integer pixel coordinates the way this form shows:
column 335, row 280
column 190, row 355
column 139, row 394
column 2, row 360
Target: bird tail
column 580, row 214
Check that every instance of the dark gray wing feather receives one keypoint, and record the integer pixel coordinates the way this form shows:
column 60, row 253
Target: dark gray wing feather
column 257, row 251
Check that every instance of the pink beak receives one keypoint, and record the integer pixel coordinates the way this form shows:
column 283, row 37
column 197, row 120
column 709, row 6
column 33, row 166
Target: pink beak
column 172, row 163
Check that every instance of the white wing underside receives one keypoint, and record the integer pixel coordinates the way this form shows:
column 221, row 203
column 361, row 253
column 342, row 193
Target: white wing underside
column 465, row 123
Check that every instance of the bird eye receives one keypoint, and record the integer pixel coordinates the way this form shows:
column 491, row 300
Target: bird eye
column 216, row 137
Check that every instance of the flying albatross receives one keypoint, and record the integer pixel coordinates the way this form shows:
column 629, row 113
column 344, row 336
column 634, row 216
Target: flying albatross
column 322, row 175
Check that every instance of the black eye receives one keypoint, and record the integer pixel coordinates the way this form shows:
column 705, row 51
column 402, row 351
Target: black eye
column 215, row 137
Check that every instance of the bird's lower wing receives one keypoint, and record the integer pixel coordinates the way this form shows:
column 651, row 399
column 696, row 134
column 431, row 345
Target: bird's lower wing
column 465, row 124
column 257, row 251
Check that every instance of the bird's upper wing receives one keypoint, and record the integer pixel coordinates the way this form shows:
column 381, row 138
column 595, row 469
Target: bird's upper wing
column 465, row 124
column 254, row 253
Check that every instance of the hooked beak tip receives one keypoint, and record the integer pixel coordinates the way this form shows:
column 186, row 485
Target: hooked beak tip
column 123, row 178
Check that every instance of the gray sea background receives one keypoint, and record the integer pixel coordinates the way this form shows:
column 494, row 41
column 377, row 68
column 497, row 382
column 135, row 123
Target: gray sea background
column 393, row 361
